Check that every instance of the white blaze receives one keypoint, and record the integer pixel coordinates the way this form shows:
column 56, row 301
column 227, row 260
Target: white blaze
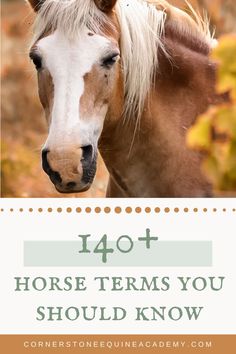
column 68, row 61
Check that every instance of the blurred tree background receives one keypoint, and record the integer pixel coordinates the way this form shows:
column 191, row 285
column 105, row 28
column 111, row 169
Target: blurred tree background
column 23, row 128
column 214, row 132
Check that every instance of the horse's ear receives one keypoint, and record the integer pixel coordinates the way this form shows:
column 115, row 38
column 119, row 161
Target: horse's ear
column 35, row 4
column 105, row 5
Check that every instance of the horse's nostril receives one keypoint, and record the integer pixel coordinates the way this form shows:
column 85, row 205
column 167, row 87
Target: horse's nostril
column 45, row 163
column 71, row 184
column 54, row 176
column 87, row 155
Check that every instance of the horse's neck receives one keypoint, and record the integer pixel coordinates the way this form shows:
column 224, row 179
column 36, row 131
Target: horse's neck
column 122, row 145
column 157, row 163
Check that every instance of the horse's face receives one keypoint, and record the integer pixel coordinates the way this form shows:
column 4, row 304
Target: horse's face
column 76, row 80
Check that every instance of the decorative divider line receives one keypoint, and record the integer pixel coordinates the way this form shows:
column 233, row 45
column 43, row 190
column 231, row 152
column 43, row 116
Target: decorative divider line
column 119, row 210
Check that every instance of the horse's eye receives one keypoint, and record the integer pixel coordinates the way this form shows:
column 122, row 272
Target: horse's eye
column 109, row 61
column 37, row 60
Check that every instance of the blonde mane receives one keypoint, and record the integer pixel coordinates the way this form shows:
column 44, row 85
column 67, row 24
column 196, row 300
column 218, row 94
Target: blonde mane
column 142, row 25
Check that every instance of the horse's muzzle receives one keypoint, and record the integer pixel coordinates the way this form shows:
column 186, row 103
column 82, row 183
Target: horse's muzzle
column 70, row 170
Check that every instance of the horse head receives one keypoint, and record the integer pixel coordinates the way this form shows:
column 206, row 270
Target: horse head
column 77, row 63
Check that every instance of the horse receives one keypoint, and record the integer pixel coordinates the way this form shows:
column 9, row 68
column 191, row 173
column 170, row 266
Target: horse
column 127, row 78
